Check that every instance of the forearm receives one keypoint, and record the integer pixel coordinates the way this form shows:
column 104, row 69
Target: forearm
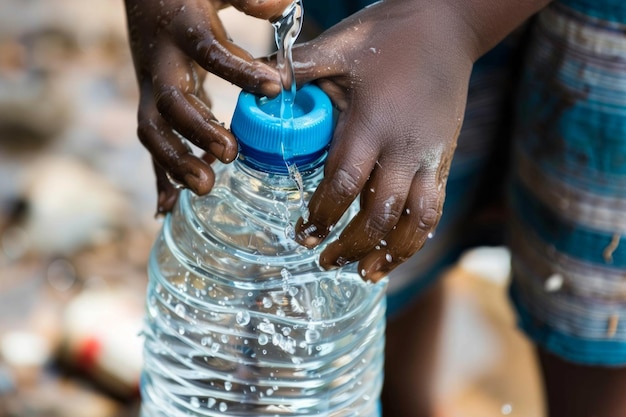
column 492, row 20
column 472, row 26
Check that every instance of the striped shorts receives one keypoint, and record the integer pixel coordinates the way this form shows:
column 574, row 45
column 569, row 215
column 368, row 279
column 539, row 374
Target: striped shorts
column 568, row 191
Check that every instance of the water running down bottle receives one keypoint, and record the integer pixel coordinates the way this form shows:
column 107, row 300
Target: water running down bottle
column 241, row 320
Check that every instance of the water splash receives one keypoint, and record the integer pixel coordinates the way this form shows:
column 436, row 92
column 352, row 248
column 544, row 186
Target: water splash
column 286, row 31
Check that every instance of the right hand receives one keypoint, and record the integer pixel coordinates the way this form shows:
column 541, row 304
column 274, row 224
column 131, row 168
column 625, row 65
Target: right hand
column 398, row 72
column 174, row 43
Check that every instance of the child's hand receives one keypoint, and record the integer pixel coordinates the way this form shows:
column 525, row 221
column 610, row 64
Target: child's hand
column 398, row 71
column 174, row 43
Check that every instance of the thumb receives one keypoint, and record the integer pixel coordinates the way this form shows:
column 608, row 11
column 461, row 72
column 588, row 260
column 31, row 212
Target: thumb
column 316, row 59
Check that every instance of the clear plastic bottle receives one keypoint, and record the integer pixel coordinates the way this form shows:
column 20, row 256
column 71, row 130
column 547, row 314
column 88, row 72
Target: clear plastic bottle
column 241, row 320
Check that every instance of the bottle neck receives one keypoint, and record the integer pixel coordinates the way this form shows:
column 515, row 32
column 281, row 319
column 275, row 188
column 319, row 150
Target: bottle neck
column 281, row 193
column 252, row 211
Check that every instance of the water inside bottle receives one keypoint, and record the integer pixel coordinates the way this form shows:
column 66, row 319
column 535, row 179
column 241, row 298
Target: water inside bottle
column 242, row 321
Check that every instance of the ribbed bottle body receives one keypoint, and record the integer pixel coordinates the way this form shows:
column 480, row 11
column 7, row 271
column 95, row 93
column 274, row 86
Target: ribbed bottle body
column 241, row 320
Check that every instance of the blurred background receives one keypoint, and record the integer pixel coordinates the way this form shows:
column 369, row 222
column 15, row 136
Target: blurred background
column 77, row 204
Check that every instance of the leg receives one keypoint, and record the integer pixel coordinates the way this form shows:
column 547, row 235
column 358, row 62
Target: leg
column 408, row 378
column 582, row 391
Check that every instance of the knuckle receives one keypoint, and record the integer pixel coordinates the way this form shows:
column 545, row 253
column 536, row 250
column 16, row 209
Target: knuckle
column 428, row 219
column 346, row 185
column 381, row 223
column 210, row 51
column 166, row 98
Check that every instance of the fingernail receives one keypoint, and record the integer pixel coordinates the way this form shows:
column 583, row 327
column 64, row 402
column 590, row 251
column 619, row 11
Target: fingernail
column 329, row 259
column 376, row 267
column 307, row 236
column 199, row 184
column 376, row 276
column 270, row 88
column 218, row 149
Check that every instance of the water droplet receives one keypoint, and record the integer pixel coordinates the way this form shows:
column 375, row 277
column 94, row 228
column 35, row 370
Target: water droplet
column 269, row 392
column 285, row 274
column 553, row 283
column 242, row 317
column 263, row 339
column 181, row 330
column 290, row 232
column 215, row 347
column 431, row 235
column 210, row 402
column 228, row 385
column 266, row 327
column 267, row 302
column 312, row 336
column 388, row 257
column 383, row 242
column 205, row 341
column 224, row 338
column 286, row 331
column 180, row 310
column 195, row 402
column 506, row 409
column 318, row 302
column 223, row 407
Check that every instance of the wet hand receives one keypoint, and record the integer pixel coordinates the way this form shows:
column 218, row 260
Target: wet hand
column 174, row 44
column 399, row 76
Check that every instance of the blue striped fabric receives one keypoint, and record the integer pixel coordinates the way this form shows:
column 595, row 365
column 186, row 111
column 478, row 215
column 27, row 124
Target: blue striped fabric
column 568, row 235
column 606, row 10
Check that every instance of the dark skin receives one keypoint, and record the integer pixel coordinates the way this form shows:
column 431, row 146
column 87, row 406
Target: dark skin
column 396, row 159
column 376, row 64
column 175, row 43
column 404, row 157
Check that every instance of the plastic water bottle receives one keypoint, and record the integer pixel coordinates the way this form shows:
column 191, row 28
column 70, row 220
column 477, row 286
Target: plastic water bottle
column 241, row 320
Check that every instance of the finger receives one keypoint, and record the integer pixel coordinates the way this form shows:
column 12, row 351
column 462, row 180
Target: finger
column 168, row 150
column 417, row 222
column 382, row 202
column 316, row 59
column 346, row 171
column 175, row 94
column 167, row 192
column 269, row 9
column 200, row 33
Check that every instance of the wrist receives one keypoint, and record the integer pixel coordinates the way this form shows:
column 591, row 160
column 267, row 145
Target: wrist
column 482, row 24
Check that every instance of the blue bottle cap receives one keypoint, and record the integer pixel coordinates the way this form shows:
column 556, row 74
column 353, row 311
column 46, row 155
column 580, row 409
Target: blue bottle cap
column 269, row 143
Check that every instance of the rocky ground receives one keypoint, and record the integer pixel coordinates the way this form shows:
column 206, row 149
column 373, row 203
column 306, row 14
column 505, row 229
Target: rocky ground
column 76, row 225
